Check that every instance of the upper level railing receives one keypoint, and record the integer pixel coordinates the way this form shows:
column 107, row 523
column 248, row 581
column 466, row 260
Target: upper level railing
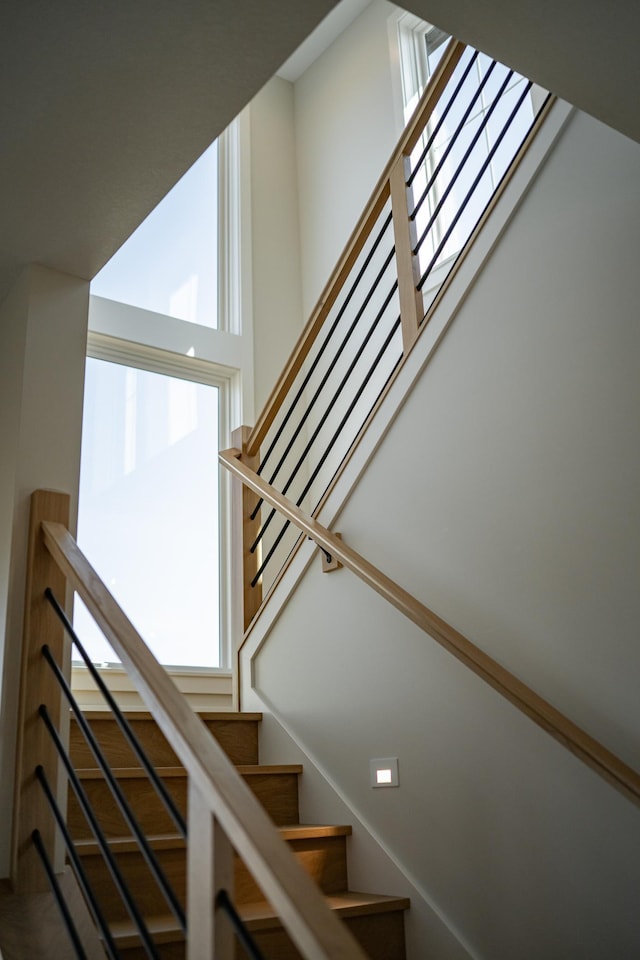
column 605, row 763
column 473, row 124
column 223, row 814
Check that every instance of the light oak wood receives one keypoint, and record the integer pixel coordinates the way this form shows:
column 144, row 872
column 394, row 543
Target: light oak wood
column 576, row 740
column 320, row 849
column 237, row 734
column 274, row 787
column 244, row 531
column 354, row 246
column 316, row 931
column 376, row 921
column 209, row 870
column 38, row 686
column 411, row 308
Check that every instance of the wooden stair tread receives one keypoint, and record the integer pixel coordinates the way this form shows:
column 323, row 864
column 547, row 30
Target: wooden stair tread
column 167, row 773
column 350, row 903
column 260, row 916
column 170, row 841
column 224, row 715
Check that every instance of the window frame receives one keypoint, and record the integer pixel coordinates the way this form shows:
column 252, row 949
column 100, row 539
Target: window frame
column 220, row 357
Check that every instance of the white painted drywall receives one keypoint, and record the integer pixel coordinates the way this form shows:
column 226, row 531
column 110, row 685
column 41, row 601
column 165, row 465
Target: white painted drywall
column 346, row 128
column 505, row 497
column 43, row 330
column 275, row 239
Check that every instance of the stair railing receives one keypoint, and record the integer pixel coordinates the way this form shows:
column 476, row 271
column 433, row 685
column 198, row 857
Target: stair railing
column 471, row 128
column 223, row 814
column 590, row 751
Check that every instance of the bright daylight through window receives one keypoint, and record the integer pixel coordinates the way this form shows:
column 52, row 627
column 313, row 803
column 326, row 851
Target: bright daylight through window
column 149, row 511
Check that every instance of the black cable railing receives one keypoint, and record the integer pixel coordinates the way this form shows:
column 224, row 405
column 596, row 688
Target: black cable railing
column 224, row 902
column 330, row 445
column 116, row 790
column 461, row 166
column 59, row 897
column 331, row 367
column 453, row 140
column 78, row 868
column 320, row 352
column 329, row 408
column 471, row 107
column 443, row 116
column 121, row 720
column 476, row 181
column 105, row 849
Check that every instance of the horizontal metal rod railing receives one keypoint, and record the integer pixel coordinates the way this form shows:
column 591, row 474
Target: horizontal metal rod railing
column 118, row 794
column 605, row 763
column 316, row 931
column 107, row 854
column 120, row 719
column 76, row 861
column 354, row 247
column 59, row 896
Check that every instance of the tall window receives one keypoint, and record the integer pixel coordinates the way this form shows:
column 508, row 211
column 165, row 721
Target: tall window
column 170, row 264
column 148, row 516
column 165, row 375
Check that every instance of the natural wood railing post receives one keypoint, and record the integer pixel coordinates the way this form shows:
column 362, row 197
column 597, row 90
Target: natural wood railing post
column 38, row 686
column 209, row 870
column 411, row 308
column 243, row 533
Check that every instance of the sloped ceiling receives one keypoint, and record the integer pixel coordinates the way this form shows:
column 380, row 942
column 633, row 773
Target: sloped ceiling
column 103, row 106
column 583, row 50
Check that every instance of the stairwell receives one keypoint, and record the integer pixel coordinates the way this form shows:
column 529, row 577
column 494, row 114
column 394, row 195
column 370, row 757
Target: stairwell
column 375, row 920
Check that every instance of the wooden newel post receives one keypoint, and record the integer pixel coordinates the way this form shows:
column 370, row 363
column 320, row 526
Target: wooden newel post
column 244, row 532
column 411, row 305
column 38, row 686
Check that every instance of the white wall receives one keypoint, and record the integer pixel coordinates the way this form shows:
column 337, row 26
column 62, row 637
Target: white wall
column 504, row 497
column 43, row 327
column 347, row 123
column 275, row 239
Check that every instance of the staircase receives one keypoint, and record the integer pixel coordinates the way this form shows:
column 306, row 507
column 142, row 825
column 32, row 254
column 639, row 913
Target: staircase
column 376, row 921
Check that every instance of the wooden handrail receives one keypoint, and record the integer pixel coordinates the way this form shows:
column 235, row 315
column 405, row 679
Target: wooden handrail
column 355, row 244
column 577, row 741
column 213, row 780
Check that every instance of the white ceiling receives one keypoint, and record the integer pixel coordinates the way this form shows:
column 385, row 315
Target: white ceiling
column 103, row 106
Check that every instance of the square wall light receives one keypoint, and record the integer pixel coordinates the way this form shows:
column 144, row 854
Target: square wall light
column 384, row 772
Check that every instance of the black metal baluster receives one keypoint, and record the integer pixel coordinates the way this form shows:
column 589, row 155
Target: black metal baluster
column 224, row 902
column 105, row 849
column 325, row 415
column 120, row 719
column 123, row 805
column 59, row 897
column 481, row 128
column 81, row 876
column 453, row 140
column 329, row 447
column 436, row 129
column 325, row 343
column 330, row 369
column 475, row 183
